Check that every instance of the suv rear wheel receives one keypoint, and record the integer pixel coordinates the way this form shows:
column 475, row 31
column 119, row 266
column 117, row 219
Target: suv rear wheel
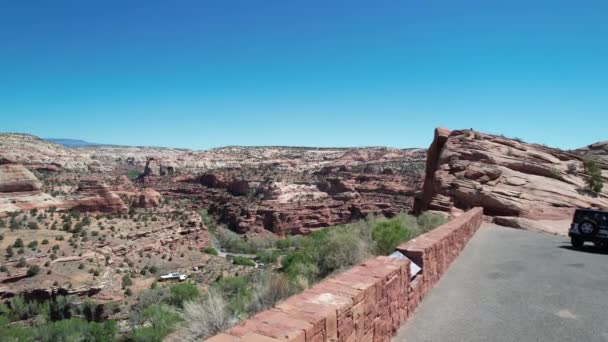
column 577, row 242
column 588, row 228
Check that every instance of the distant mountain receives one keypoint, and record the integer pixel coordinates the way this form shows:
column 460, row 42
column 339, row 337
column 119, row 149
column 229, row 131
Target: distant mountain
column 71, row 142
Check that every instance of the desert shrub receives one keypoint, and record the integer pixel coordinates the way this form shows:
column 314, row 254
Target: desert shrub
column 268, row 256
column 126, row 281
column 340, row 249
column 210, row 250
column 33, row 270
column 593, row 176
column 209, row 316
column 182, row 292
column 3, row 268
column 425, row 222
column 235, row 243
column 45, row 242
column 18, row 243
column 32, row 244
column 133, row 174
column 300, row 264
column 283, row 244
column 388, row 234
column 239, row 260
column 21, row 262
column 237, row 291
column 571, row 169
column 75, row 329
column 160, row 321
column 269, row 288
column 145, row 299
column 14, row 332
column 33, row 225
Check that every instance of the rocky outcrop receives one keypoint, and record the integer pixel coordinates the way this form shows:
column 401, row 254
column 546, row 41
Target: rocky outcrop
column 283, row 207
column 506, row 177
column 149, row 198
column 21, row 190
column 155, row 167
column 597, row 151
column 16, row 178
column 94, row 196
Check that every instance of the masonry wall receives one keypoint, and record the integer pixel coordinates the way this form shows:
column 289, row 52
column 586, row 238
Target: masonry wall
column 366, row 303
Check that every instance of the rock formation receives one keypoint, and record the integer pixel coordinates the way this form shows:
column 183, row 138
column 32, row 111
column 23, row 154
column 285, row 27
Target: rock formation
column 94, row 196
column 506, row 177
column 597, row 151
column 16, row 178
column 21, row 190
column 149, row 198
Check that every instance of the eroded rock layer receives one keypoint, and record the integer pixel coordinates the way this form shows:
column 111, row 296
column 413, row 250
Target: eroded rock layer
column 506, row 177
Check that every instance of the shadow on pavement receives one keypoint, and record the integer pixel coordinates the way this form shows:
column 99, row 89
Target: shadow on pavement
column 587, row 249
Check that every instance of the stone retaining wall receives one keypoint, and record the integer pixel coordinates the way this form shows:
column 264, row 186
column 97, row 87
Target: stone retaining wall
column 367, row 302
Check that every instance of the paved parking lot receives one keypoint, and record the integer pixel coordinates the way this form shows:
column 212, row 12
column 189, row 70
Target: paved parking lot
column 513, row 285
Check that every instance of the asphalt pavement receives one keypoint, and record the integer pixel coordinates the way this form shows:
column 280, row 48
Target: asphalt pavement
column 515, row 285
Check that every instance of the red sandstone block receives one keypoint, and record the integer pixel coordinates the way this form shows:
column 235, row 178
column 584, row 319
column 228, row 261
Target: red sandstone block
column 346, row 326
column 223, row 338
column 359, row 320
column 369, row 336
column 322, row 317
column 320, row 337
column 253, row 337
column 318, row 295
column 273, row 323
column 342, row 288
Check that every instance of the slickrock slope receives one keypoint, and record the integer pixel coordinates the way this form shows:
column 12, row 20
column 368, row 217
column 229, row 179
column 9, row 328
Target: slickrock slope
column 36, row 153
column 16, row 178
column 20, row 189
column 514, row 181
column 598, row 151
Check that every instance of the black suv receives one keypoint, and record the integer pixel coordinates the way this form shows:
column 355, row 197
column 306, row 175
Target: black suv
column 589, row 225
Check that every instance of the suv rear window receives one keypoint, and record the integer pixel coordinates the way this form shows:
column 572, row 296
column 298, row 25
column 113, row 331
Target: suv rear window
column 600, row 217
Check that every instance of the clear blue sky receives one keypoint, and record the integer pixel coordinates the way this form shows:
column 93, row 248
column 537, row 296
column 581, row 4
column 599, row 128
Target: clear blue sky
column 201, row 74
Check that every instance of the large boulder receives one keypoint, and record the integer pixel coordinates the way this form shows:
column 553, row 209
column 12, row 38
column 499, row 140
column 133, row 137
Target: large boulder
column 506, row 177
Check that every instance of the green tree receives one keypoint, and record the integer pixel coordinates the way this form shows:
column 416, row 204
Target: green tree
column 593, row 176
column 33, row 270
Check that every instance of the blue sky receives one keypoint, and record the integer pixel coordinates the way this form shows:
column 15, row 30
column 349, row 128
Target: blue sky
column 202, row 74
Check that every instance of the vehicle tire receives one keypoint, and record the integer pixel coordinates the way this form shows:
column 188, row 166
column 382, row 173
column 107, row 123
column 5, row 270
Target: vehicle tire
column 587, row 228
column 577, row 242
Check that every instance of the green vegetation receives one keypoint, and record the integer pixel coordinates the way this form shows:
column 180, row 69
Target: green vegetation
column 133, row 174
column 33, row 270
column 239, row 260
column 52, row 321
column 18, row 243
column 182, row 292
column 593, row 176
column 210, row 250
